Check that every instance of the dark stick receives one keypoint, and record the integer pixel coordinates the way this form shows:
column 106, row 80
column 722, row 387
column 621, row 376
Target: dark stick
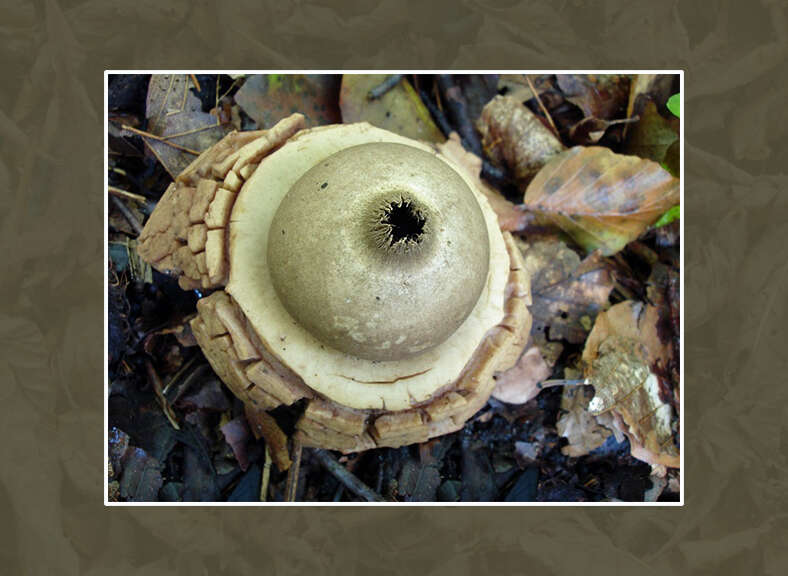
column 549, row 383
column 291, row 488
column 435, row 112
column 492, row 172
column 130, row 218
column 458, row 111
column 342, row 474
column 381, row 464
column 384, row 86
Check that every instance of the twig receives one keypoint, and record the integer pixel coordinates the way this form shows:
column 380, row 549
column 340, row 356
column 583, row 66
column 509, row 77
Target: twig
column 436, row 113
column 542, row 106
column 266, row 476
column 458, row 111
column 157, row 388
column 159, row 139
column 342, row 474
column 292, row 473
column 216, row 96
column 178, row 374
column 120, row 193
column 226, row 92
column 381, row 464
column 195, row 82
column 559, row 382
column 169, row 137
column 127, row 214
column 387, row 84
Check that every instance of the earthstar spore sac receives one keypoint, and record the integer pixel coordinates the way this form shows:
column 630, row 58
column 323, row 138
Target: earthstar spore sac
column 349, row 268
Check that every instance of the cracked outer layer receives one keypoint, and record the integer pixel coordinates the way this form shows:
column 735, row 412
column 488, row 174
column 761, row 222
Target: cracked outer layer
column 254, row 375
column 187, row 235
column 347, row 379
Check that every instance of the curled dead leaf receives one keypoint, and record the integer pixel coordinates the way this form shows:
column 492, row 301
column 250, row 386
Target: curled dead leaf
column 602, row 199
column 514, row 137
column 652, row 135
column 577, row 425
column 622, row 357
column 520, row 383
column 567, row 293
column 602, row 96
column 654, row 87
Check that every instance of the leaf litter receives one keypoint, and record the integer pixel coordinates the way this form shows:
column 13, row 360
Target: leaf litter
column 603, row 200
column 582, row 216
column 178, row 129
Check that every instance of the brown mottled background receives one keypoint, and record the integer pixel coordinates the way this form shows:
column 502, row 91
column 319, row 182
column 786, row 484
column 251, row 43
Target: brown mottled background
column 51, row 423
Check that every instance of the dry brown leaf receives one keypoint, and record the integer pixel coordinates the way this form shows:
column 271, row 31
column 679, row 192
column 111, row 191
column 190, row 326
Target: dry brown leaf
column 510, row 217
column 652, row 135
column 602, row 199
column 514, row 137
column 641, row 84
column 602, row 96
column 175, row 116
column 663, row 291
column 520, row 383
column 655, row 87
column 577, row 425
column 269, row 98
column 623, row 355
column 567, row 293
column 399, row 110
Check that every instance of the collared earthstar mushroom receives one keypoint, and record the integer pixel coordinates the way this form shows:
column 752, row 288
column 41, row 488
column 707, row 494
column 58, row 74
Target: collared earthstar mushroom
column 353, row 269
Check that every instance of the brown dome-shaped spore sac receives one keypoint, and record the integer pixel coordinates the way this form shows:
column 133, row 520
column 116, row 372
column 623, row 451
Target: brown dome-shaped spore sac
column 380, row 251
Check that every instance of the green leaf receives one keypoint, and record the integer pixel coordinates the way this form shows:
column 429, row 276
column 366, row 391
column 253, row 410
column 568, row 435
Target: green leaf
column 669, row 216
column 674, row 105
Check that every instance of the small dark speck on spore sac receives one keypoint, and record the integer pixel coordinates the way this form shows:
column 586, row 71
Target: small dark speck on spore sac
column 377, row 297
column 388, row 114
column 283, row 232
column 323, row 185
